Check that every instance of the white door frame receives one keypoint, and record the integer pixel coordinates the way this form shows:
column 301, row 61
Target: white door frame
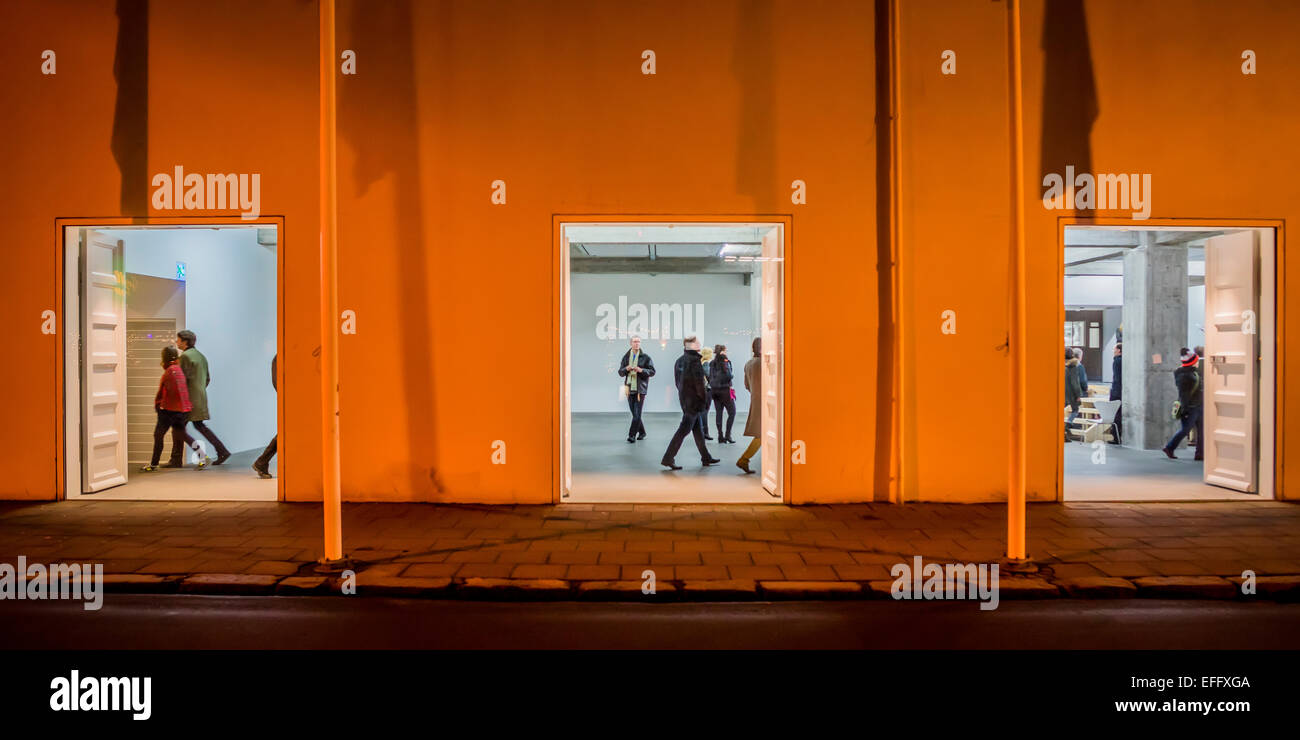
column 563, row 314
column 72, row 411
column 1266, row 458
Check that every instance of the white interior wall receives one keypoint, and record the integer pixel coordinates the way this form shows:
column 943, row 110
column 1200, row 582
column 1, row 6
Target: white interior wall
column 730, row 317
column 230, row 304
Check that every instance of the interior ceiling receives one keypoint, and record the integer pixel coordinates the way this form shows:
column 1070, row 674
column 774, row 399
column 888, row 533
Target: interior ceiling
column 1093, row 251
column 664, row 241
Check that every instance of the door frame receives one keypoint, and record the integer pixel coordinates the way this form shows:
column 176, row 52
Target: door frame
column 1274, row 394
column 61, row 457
column 559, row 318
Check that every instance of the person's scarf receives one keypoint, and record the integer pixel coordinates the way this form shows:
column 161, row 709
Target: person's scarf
column 631, row 363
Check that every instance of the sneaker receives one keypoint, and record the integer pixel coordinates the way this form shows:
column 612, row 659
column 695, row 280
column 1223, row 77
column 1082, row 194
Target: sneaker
column 148, row 468
column 203, row 462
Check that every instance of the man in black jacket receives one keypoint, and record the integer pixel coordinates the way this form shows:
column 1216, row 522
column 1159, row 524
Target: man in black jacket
column 693, row 396
column 1190, row 393
column 1117, row 388
column 636, row 369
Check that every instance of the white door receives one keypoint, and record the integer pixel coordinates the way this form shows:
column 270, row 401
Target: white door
column 566, row 401
column 103, row 364
column 772, row 335
column 1231, row 363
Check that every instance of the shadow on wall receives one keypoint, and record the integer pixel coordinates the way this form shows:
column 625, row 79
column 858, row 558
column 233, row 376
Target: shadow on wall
column 385, row 30
column 756, row 139
column 1069, row 90
column 130, row 141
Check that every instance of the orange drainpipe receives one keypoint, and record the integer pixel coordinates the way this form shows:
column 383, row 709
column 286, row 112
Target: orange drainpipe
column 1016, row 339
column 329, row 300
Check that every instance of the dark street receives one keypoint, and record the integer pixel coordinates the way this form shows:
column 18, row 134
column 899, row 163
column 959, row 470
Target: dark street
column 170, row 622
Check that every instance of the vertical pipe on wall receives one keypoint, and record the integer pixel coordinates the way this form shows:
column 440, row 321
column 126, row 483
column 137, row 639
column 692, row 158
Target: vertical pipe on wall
column 1017, row 334
column 897, row 418
column 329, row 326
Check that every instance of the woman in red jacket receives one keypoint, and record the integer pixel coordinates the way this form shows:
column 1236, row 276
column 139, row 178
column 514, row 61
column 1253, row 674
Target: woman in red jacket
column 173, row 405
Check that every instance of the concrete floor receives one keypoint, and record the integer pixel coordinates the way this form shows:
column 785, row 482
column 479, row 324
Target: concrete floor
column 232, row 480
column 1140, row 475
column 606, row 469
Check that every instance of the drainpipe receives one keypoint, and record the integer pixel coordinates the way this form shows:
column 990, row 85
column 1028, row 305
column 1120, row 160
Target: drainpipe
column 329, row 301
column 1017, row 334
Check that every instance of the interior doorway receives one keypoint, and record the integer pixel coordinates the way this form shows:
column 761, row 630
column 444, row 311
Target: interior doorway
column 133, row 294
column 1173, row 336
column 638, row 290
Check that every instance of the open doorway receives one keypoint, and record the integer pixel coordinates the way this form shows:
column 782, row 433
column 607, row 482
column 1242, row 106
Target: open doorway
column 203, row 298
column 1170, row 361
column 639, row 291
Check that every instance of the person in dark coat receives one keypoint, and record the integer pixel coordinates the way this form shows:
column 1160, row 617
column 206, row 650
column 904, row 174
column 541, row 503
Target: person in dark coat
column 693, row 396
column 677, row 378
column 1073, row 392
column 263, row 463
column 754, row 421
column 1117, row 387
column 636, row 369
column 720, row 377
column 1190, row 393
column 1083, row 371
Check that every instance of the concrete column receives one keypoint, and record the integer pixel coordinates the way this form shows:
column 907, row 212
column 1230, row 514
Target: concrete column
column 1155, row 324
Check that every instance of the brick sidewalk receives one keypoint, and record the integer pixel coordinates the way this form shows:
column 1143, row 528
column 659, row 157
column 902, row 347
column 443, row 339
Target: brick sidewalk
column 713, row 551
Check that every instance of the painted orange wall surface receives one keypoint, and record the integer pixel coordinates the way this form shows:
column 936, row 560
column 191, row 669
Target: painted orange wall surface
column 451, row 290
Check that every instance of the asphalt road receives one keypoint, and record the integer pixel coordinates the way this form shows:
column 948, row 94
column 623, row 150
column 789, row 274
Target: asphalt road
column 171, row 622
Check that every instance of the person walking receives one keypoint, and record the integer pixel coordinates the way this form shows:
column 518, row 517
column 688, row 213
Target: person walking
column 1073, row 391
column 692, row 396
column 636, row 369
column 195, row 366
column 706, row 357
column 172, row 404
column 724, row 396
column 263, row 462
column 754, row 420
column 1117, row 388
column 1190, row 393
column 677, row 378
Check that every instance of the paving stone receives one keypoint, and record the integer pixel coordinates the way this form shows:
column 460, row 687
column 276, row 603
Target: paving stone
column 399, row 586
column 811, row 589
column 1186, row 587
column 1022, row 587
column 302, row 585
column 1282, row 588
column 624, row 591
column 720, row 590
column 515, row 588
column 1097, row 587
column 140, row 583
column 237, row 584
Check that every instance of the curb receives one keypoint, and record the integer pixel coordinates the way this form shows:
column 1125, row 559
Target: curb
column 1285, row 588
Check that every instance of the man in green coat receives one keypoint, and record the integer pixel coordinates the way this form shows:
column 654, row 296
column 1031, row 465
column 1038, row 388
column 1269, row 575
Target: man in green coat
column 195, row 367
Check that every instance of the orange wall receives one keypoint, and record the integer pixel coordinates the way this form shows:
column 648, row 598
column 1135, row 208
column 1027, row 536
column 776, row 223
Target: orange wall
column 549, row 97
column 1170, row 100
column 448, row 288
